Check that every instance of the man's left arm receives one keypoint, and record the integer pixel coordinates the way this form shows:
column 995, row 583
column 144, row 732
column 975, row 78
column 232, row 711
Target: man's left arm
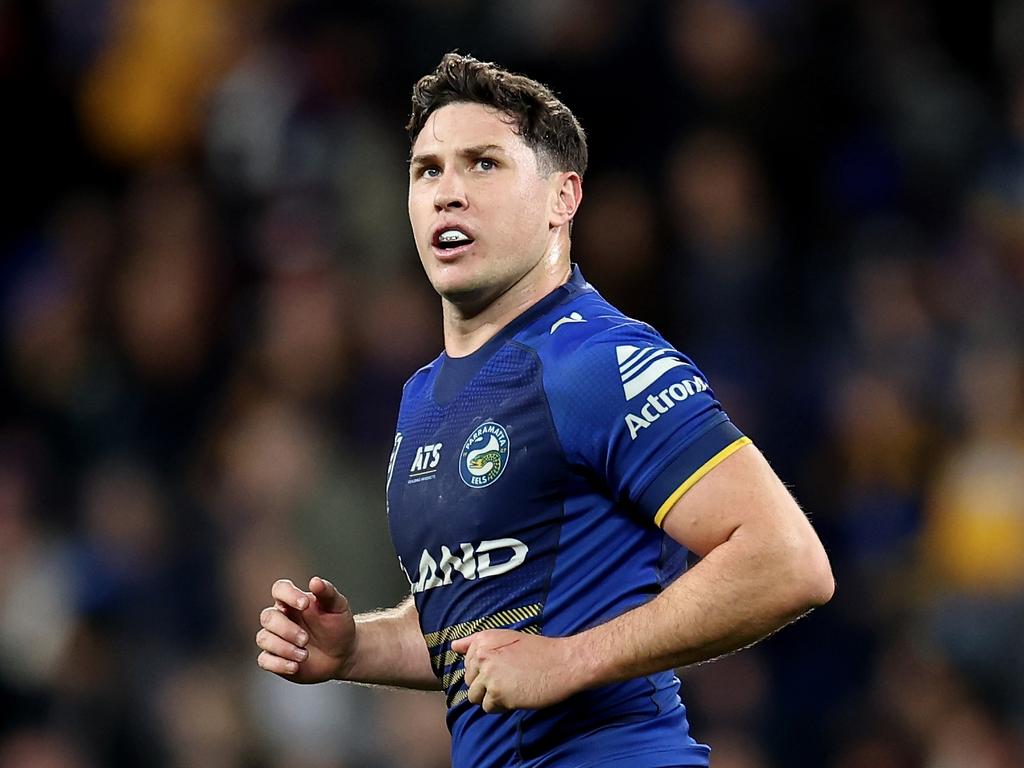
column 762, row 567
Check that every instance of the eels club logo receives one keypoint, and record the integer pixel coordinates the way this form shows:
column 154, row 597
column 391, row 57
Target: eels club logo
column 484, row 455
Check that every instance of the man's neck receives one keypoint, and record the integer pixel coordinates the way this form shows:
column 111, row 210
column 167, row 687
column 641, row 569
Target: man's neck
column 465, row 334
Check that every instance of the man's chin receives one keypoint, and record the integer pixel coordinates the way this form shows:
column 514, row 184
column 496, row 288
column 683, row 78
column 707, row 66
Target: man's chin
column 463, row 294
column 469, row 298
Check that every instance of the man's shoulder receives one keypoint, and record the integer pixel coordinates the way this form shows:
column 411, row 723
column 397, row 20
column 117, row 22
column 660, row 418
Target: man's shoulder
column 587, row 333
column 600, row 361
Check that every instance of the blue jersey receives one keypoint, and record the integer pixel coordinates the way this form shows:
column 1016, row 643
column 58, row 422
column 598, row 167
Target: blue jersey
column 526, row 490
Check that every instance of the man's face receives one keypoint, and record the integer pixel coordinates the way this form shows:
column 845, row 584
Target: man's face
column 480, row 210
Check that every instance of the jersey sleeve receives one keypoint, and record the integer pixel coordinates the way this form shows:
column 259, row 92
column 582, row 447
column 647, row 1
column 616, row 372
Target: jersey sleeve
column 639, row 415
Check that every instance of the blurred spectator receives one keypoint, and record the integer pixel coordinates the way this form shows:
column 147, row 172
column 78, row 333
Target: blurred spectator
column 413, row 731
column 200, row 715
column 36, row 600
column 210, row 302
column 40, row 749
column 144, row 95
column 618, row 232
column 719, row 47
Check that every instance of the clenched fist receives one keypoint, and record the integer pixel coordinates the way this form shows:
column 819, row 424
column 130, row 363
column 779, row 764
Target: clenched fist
column 512, row 670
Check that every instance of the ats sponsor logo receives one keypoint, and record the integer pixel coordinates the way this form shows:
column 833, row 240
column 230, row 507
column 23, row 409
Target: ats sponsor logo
column 480, row 561
column 661, row 403
column 424, row 466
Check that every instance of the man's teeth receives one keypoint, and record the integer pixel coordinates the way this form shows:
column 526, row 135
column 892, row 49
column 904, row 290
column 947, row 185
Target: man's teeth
column 453, row 236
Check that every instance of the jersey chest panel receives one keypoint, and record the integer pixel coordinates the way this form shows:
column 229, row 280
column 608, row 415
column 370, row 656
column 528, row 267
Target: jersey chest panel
column 475, row 501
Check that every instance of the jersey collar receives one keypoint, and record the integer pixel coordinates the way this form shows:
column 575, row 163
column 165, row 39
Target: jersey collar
column 455, row 372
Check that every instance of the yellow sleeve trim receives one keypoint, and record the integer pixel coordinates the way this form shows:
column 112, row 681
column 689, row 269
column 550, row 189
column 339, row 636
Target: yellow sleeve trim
column 689, row 482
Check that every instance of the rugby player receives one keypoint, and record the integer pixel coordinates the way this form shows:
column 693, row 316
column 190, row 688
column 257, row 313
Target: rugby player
column 550, row 471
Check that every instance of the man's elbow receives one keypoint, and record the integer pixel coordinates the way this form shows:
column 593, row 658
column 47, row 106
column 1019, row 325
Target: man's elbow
column 801, row 570
column 812, row 579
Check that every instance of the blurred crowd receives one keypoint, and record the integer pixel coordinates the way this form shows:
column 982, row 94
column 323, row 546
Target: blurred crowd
column 209, row 301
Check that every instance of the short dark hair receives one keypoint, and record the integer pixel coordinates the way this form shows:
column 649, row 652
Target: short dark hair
column 545, row 124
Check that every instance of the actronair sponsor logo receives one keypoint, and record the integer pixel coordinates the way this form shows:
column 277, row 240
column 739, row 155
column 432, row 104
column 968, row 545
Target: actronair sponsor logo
column 661, row 403
column 640, row 367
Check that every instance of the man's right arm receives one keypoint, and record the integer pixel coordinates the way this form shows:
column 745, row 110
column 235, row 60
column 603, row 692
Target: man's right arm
column 391, row 651
column 312, row 637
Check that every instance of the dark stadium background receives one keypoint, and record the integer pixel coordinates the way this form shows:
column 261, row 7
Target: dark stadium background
column 209, row 300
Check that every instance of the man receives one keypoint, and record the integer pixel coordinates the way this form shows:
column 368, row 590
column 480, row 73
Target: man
column 549, row 472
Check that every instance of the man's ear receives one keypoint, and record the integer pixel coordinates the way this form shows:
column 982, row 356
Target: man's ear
column 568, row 194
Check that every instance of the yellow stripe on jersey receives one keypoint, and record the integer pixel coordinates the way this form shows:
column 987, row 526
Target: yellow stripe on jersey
column 443, row 660
column 494, row 621
column 448, row 658
column 452, row 677
column 689, row 482
column 453, row 682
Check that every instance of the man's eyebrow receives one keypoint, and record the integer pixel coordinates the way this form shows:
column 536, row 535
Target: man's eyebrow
column 473, row 151
column 423, row 159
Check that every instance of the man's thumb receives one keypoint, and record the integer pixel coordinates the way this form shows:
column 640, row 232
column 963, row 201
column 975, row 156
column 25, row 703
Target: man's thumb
column 328, row 598
column 461, row 646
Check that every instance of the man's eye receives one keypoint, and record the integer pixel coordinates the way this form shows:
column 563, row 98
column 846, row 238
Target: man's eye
column 486, row 164
column 430, row 172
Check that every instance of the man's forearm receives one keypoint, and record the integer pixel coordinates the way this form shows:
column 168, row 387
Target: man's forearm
column 390, row 651
column 738, row 594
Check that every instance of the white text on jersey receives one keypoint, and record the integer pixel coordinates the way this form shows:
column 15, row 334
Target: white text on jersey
column 471, row 563
column 662, row 402
column 426, row 461
column 391, row 468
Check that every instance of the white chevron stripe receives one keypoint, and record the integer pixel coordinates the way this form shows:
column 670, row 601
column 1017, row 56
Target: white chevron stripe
column 637, row 359
column 651, row 374
column 635, row 369
column 624, row 352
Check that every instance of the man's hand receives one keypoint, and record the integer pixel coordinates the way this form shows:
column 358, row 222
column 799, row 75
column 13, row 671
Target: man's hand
column 512, row 670
column 307, row 637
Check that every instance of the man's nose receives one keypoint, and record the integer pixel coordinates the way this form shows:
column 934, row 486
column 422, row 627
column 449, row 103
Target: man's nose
column 450, row 192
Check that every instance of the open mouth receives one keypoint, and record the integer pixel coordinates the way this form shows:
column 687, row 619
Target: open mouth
column 449, row 240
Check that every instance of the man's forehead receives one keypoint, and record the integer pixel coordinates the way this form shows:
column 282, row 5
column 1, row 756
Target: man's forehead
column 459, row 125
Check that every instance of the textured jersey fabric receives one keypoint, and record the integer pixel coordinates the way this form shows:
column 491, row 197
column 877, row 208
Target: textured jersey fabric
column 526, row 489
